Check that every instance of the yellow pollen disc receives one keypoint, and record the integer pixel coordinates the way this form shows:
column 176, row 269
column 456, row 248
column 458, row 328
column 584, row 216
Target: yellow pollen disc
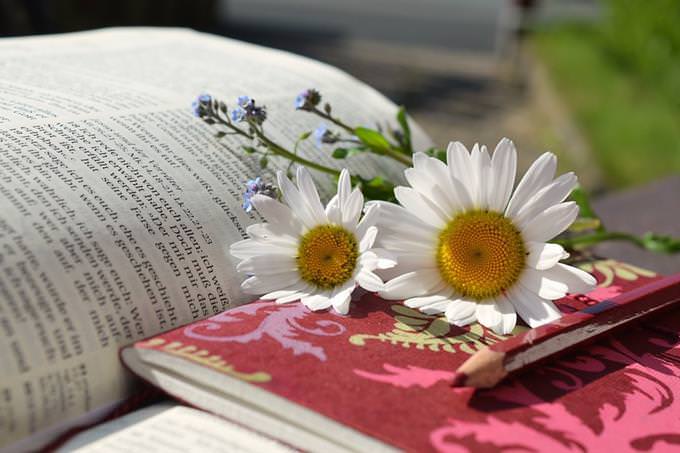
column 327, row 256
column 480, row 254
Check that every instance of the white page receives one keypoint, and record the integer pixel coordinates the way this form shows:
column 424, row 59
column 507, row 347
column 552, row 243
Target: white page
column 171, row 428
column 116, row 205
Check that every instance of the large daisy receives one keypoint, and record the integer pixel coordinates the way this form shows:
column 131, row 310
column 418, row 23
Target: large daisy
column 308, row 253
column 469, row 246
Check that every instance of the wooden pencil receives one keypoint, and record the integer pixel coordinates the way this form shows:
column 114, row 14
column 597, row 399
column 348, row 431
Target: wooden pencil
column 490, row 365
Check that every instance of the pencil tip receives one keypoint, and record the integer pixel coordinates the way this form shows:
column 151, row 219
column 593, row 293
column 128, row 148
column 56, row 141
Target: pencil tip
column 459, row 379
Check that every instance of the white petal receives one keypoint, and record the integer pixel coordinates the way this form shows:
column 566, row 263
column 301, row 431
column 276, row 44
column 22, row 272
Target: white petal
column 503, row 171
column 279, row 293
column 435, row 307
column 317, row 301
column 534, row 310
column 489, row 315
column 551, row 222
column 369, row 281
column 377, row 258
column 461, row 312
column 297, row 289
column 297, row 202
column 538, row 282
column 423, row 301
column 416, row 260
column 352, row 209
column 405, row 245
column 544, row 256
column 508, row 315
column 342, row 298
column 249, row 248
column 394, row 216
column 344, row 186
column 458, row 160
column 333, row 210
column 398, row 233
column 412, row 284
column 272, row 234
column 576, row 280
column 341, row 304
column 368, row 239
column 267, row 264
column 461, row 195
column 276, row 213
column 442, row 177
column 304, row 292
column 432, row 180
column 369, row 219
column 549, row 196
column 481, row 162
column 262, row 284
column 310, row 194
column 460, row 167
column 420, row 206
column 537, row 176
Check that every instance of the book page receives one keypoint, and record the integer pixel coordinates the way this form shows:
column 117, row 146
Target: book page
column 170, row 428
column 117, row 206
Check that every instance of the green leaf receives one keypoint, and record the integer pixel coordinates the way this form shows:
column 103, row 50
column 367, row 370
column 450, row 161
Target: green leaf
column 355, row 151
column 340, row 153
column 220, row 134
column 437, row 153
column 377, row 188
column 373, row 139
column 305, row 135
column 264, row 162
column 583, row 201
column 249, row 150
column 405, row 129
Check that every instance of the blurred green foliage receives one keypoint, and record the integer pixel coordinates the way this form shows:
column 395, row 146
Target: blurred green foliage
column 621, row 78
column 644, row 37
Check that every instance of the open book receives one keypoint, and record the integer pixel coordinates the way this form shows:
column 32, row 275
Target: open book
column 117, row 206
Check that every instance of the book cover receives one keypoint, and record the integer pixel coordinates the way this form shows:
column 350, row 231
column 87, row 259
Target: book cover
column 385, row 371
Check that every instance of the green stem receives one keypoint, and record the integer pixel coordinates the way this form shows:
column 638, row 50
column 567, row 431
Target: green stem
column 283, row 152
column 597, row 237
column 396, row 155
column 280, row 150
column 403, row 158
column 333, row 120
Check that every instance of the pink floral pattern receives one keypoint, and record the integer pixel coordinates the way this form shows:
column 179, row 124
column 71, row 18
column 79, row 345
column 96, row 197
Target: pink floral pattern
column 282, row 323
column 640, row 415
column 407, row 377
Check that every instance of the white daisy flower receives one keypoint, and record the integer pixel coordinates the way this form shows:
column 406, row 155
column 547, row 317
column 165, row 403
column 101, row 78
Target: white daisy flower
column 470, row 247
column 308, row 253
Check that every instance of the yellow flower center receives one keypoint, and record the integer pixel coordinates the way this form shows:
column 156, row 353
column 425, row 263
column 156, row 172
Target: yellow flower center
column 480, row 254
column 327, row 256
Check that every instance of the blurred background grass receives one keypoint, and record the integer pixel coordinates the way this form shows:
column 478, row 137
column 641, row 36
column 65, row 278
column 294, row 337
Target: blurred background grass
column 620, row 77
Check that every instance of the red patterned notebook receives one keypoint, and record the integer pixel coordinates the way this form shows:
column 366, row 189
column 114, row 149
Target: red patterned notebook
column 379, row 379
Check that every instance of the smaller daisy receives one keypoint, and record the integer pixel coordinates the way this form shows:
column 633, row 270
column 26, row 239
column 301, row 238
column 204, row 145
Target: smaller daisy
column 308, row 253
